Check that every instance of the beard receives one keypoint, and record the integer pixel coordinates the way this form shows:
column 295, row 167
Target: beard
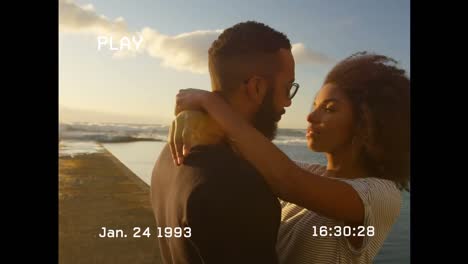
column 265, row 119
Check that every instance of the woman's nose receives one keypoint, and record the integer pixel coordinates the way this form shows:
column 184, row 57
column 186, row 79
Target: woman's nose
column 312, row 117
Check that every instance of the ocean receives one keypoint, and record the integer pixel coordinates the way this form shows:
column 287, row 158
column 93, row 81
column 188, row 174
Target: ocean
column 138, row 146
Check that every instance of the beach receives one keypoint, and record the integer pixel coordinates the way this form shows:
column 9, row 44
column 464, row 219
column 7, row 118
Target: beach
column 96, row 190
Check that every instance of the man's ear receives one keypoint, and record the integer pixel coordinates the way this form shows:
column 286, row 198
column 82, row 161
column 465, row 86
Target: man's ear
column 256, row 89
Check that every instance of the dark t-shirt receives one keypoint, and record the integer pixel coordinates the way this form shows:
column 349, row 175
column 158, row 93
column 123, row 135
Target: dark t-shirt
column 232, row 214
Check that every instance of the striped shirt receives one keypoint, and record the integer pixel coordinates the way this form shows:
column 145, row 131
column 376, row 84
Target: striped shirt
column 296, row 243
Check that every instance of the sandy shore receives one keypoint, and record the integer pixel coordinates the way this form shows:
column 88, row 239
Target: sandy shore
column 95, row 191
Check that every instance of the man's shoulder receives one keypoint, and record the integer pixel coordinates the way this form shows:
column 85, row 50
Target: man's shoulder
column 163, row 160
column 217, row 157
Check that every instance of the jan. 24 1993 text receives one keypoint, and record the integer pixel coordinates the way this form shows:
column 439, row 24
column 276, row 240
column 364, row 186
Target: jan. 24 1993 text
column 139, row 232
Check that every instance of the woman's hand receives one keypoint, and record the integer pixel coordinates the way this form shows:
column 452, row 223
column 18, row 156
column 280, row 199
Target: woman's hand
column 191, row 128
column 191, row 99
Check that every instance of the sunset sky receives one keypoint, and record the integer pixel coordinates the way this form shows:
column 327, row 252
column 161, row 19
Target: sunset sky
column 139, row 85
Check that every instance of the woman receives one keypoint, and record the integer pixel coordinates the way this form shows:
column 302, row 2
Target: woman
column 342, row 212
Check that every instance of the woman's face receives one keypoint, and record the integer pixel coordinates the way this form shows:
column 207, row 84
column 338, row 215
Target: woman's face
column 331, row 121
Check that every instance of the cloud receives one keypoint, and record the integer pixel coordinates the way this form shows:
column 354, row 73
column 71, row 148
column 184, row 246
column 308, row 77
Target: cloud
column 74, row 18
column 303, row 55
column 185, row 52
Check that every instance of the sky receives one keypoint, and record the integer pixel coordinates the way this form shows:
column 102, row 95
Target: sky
column 138, row 84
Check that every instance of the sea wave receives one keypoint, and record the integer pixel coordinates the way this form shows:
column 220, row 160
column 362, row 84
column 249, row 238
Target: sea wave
column 110, row 132
column 75, row 148
column 290, row 141
column 117, row 133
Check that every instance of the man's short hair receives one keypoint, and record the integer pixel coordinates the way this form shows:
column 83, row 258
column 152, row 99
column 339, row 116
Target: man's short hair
column 244, row 49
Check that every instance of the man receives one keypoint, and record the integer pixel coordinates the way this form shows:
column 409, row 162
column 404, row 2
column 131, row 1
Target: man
column 227, row 210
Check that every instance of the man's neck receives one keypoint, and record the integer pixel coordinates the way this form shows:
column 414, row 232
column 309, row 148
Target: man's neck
column 241, row 106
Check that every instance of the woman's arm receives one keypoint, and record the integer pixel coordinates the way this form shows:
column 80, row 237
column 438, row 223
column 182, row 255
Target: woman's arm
column 194, row 128
column 326, row 196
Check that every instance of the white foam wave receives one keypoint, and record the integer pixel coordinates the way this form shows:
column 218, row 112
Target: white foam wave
column 74, row 148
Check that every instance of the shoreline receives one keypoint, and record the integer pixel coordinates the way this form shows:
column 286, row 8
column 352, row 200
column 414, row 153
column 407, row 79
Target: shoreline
column 97, row 190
